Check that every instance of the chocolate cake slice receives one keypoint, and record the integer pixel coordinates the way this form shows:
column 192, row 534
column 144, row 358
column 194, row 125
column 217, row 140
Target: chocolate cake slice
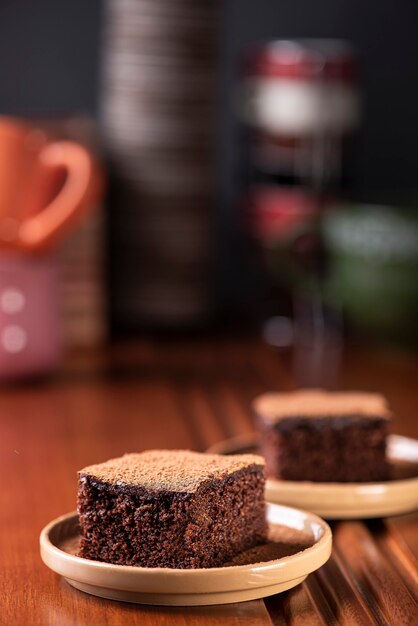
column 177, row 509
column 324, row 436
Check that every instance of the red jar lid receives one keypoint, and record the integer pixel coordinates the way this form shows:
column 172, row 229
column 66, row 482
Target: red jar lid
column 327, row 59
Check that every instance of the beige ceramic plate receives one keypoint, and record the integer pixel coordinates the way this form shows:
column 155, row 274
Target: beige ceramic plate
column 346, row 500
column 299, row 544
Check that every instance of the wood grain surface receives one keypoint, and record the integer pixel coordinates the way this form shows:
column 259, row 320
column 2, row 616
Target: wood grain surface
column 185, row 394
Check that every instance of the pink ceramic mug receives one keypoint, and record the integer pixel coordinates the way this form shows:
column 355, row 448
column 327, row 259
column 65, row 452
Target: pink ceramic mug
column 30, row 324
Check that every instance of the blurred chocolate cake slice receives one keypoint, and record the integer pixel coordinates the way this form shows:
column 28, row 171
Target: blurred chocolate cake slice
column 322, row 436
column 176, row 509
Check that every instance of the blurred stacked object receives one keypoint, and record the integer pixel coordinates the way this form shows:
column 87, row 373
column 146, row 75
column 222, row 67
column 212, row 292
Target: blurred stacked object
column 301, row 103
column 300, row 106
column 158, row 120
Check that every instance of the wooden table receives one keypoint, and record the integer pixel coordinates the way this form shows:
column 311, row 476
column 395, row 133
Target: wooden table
column 184, row 394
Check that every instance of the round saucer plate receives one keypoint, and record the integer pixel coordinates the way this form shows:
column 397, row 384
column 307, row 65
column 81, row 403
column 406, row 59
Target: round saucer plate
column 189, row 587
column 345, row 500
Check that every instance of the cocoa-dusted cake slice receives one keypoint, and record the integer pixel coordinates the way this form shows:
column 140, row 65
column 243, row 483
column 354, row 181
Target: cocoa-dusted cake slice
column 177, row 509
column 324, row 436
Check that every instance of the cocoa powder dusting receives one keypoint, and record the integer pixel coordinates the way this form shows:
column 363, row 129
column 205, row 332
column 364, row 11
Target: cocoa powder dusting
column 169, row 470
column 319, row 403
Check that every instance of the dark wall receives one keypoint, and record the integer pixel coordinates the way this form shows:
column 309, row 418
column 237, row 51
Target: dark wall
column 385, row 33
column 49, row 56
column 49, row 53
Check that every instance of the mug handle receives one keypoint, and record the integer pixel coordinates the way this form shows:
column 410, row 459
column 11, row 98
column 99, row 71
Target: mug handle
column 79, row 192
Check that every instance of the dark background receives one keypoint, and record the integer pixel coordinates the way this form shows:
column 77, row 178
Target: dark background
column 50, row 51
